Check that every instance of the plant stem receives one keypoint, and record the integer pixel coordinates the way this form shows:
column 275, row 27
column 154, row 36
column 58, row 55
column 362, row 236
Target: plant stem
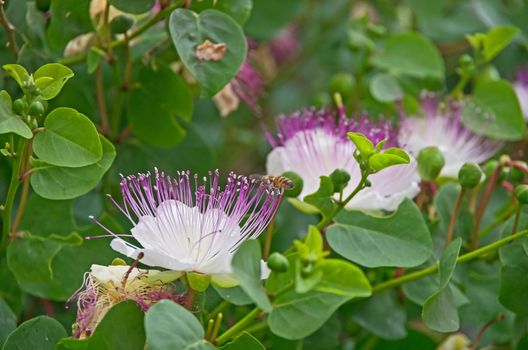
column 323, row 223
column 221, row 307
column 11, row 193
column 25, row 187
column 484, row 200
column 461, row 259
column 10, row 30
column 488, row 324
column 141, row 29
column 517, row 217
column 238, row 327
column 454, row 217
column 101, row 103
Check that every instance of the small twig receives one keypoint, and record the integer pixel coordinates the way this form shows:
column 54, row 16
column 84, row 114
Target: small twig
column 101, row 103
column 484, row 200
column 488, row 324
column 454, row 217
column 131, row 267
column 217, row 326
column 9, row 28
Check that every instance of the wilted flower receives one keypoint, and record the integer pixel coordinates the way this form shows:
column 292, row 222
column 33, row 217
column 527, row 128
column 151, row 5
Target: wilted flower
column 184, row 224
column 521, row 89
column 247, row 86
column 105, row 286
column 442, row 127
column 313, row 143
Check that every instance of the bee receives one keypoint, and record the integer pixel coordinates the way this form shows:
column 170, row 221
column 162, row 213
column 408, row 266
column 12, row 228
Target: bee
column 278, row 182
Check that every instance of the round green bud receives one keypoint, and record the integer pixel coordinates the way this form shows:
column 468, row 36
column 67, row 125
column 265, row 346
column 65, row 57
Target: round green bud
column 516, row 174
column 278, row 262
column 297, row 182
column 343, row 83
column 430, row 163
column 19, row 106
column 121, row 24
column 521, row 193
column 36, row 109
column 469, row 175
column 465, row 60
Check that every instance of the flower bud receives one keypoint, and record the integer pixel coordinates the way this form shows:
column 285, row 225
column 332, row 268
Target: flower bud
column 430, row 163
column 296, row 190
column 521, row 193
column 278, row 262
column 469, row 175
column 36, row 109
column 489, row 167
column 19, row 106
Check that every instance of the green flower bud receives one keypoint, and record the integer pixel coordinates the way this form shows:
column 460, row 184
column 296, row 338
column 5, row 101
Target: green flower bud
column 121, row 24
column 343, row 83
column 516, row 174
column 430, row 163
column 297, row 181
column 36, row 109
column 469, row 175
column 521, row 193
column 20, row 106
column 278, row 262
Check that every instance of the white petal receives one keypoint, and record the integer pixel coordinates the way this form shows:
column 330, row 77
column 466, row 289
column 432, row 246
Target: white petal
column 274, row 161
column 151, row 257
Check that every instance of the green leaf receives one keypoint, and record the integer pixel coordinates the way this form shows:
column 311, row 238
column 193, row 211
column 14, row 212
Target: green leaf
column 17, row 72
column 70, row 19
column 363, row 144
column 439, row 311
column 314, row 308
column 30, row 258
column 239, row 10
column 391, row 156
column 444, row 203
column 133, row 6
column 244, row 341
column 9, row 121
column 385, row 88
column 40, row 333
column 69, row 139
column 494, row 111
column 514, row 267
column 322, row 198
column 155, row 107
column 247, row 271
column 400, row 239
column 218, row 28
column 382, row 315
column 57, row 75
column 235, row 295
column 43, row 217
column 497, row 39
column 410, row 54
column 342, row 278
column 122, row 328
column 53, row 182
column 339, row 179
column 8, row 321
column 171, row 326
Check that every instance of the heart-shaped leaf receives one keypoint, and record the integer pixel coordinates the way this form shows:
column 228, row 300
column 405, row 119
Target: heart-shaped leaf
column 69, row 139
column 189, row 30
